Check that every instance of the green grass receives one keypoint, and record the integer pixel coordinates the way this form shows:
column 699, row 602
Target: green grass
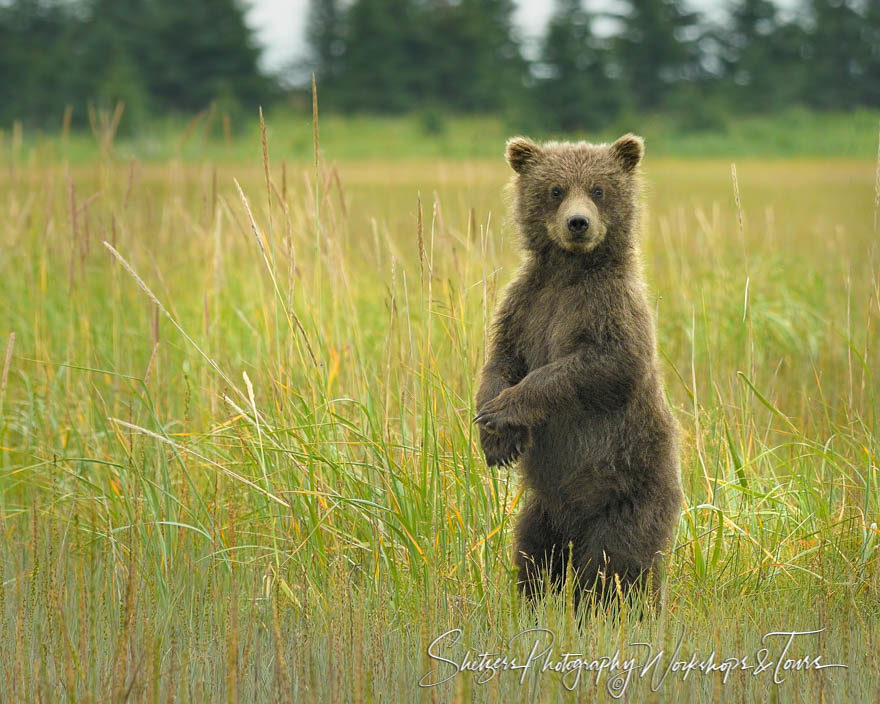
column 236, row 460
column 794, row 132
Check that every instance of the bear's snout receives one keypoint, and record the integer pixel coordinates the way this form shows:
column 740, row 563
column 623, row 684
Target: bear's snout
column 578, row 226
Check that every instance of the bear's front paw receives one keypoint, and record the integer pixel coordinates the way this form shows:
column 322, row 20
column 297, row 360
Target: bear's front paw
column 505, row 448
column 498, row 414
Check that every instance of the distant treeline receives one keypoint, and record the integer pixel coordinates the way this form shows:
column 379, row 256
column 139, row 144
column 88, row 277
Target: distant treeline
column 591, row 66
column 596, row 61
column 156, row 56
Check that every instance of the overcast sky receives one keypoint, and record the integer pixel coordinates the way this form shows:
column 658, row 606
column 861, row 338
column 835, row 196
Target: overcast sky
column 280, row 24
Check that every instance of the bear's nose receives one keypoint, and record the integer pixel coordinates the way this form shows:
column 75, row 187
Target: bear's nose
column 578, row 224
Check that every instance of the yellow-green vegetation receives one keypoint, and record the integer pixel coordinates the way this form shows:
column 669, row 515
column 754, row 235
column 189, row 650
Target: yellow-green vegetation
column 215, row 136
column 237, row 462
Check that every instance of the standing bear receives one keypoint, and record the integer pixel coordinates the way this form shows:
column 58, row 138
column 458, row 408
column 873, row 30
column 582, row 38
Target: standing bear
column 571, row 385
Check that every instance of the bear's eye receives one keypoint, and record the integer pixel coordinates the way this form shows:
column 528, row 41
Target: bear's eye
column 556, row 192
column 598, row 192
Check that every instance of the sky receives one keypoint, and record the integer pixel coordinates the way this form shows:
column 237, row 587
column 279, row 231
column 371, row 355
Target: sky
column 280, row 24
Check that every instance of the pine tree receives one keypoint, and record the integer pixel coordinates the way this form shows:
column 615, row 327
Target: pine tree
column 115, row 41
column 871, row 39
column 324, row 34
column 575, row 91
column 40, row 70
column 382, row 63
column 496, row 63
column 200, row 51
column 762, row 57
column 657, row 49
column 401, row 55
column 838, row 56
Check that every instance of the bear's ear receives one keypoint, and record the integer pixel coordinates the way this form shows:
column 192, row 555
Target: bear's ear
column 521, row 151
column 628, row 150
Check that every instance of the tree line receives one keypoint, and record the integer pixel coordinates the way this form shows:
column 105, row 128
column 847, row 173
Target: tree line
column 156, row 56
column 592, row 65
column 392, row 56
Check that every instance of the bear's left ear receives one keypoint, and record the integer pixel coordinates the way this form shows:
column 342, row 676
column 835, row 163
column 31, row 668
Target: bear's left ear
column 628, row 150
column 520, row 152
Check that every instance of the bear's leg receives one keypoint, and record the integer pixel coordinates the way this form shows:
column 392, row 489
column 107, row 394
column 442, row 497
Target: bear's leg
column 541, row 552
column 621, row 549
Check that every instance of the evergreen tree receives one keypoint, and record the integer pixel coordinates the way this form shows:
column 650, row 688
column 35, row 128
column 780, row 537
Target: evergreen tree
column 575, row 91
column 657, row 49
column 115, row 42
column 382, row 61
column 871, row 40
column 496, row 63
column 159, row 54
column 472, row 60
column 838, row 56
column 40, row 71
column 409, row 54
column 324, row 34
column 762, row 57
column 200, row 51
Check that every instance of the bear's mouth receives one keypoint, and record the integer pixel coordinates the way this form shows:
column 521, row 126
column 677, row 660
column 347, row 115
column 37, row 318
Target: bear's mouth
column 582, row 242
column 575, row 242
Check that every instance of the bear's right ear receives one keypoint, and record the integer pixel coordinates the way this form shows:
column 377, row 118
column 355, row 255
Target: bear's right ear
column 628, row 150
column 521, row 151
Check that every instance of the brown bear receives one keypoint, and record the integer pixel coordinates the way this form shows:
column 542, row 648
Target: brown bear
column 571, row 384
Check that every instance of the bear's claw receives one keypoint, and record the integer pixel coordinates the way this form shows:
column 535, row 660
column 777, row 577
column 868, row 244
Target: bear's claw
column 502, row 449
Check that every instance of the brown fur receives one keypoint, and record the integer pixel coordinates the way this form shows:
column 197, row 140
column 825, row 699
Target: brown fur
column 571, row 385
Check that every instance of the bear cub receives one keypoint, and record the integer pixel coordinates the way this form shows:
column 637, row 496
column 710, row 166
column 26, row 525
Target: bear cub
column 571, row 387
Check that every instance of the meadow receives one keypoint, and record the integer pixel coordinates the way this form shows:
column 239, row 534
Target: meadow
column 236, row 452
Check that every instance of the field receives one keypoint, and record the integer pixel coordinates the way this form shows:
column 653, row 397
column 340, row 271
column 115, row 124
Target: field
column 237, row 459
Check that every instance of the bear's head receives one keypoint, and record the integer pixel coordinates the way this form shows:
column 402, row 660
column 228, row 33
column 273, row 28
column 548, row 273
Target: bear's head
column 576, row 196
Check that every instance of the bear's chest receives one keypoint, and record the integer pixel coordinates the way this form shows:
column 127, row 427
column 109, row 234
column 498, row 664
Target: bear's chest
column 553, row 323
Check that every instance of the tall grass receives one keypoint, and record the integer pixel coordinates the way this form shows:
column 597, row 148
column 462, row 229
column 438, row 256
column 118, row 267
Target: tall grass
column 236, row 460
